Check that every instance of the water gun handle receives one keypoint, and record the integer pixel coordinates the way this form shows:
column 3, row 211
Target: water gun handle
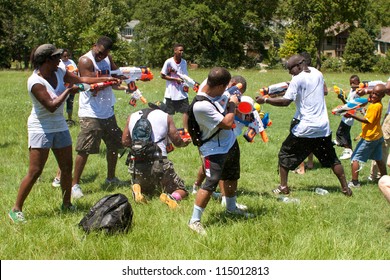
column 250, row 134
column 264, row 136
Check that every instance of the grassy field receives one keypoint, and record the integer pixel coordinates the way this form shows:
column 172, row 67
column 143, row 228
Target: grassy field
column 331, row 227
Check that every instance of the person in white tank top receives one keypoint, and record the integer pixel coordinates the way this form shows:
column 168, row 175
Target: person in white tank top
column 47, row 128
column 145, row 180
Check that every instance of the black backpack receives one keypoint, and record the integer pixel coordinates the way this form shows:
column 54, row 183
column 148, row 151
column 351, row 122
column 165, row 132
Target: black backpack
column 111, row 214
column 193, row 126
column 143, row 146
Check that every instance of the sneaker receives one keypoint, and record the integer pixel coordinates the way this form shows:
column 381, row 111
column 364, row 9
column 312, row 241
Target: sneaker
column 137, row 194
column 69, row 208
column 281, row 190
column 76, row 191
column 238, row 205
column 56, row 182
column 371, row 179
column 347, row 153
column 240, row 212
column 169, row 200
column 335, row 142
column 195, row 189
column 17, row 217
column 115, row 181
column 216, row 195
column 197, row 227
column 353, row 185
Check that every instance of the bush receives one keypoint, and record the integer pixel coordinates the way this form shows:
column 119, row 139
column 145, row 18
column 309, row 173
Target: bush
column 383, row 65
column 333, row 64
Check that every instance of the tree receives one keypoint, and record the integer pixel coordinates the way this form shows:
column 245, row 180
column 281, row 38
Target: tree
column 359, row 51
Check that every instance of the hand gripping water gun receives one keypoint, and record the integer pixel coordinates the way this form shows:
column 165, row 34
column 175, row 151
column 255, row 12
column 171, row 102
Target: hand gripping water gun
column 188, row 82
column 95, row 87
column 132, row 74
column 339, row 91
column 350, row 107
column 184, row 133
column 274, row 90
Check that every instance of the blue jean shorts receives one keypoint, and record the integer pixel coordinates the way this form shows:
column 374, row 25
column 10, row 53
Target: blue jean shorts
column 53, row 140
column 366, row 150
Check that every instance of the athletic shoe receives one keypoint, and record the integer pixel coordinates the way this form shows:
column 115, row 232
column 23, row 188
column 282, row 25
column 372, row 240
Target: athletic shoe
column 240, row 212
column 281, row 190
column 372, row 179
column 137, row 194
column 17, row 217
column 352, row 185
column 169, row 200
column 195, row 189
column 216, row 195
column 197, row 227
column 69, row 208
column 335, row 142
column 76, row 191
column 56, row 183
column 115, row 181
column 238, row 205
column 347, row 153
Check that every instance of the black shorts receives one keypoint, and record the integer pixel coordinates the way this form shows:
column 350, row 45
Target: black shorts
column 295, row 150
column 343, row 135
column 173, row 106
column 221, row 167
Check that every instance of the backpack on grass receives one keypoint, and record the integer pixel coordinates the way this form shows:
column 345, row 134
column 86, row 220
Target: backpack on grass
column 193, row 126
column 111, row 214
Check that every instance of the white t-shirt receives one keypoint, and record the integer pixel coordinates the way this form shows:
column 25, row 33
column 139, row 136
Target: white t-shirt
column 41, row 120
column 159, row 121
column 174, row 90
column 101, row 105
column 69, row 65
column 307, row 91
column 351, row 97
column 208, row 118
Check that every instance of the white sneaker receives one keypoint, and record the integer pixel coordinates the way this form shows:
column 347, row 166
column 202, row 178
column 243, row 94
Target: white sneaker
column 56, row 183
column 76, row 191
column 240, row 212
column 197, row 227
column 347, row 153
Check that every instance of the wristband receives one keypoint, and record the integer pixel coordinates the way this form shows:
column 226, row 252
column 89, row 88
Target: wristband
column 232, row 107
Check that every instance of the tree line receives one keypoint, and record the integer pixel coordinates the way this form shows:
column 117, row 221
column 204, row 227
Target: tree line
column 213, row 32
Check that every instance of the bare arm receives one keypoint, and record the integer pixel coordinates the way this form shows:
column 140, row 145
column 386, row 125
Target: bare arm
column 228, row 121
column 174, row 136
column 360, row 119
column 126, row 138
column 278, row 102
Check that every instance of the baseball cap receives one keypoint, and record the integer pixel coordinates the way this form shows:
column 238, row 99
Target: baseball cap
column 159, row 105
column 47, row 50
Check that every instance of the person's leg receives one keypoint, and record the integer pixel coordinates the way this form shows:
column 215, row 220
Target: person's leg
column 80, row 162
column 64, row 159
column 199, row 179
column 38, row 158
column 112, row 159
column 384, row 186
column 310, row 161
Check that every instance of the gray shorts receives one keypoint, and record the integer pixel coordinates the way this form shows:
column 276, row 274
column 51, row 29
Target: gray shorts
column 53, row 140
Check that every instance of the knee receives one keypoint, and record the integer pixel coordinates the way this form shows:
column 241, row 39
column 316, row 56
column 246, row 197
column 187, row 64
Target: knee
column 384, row 182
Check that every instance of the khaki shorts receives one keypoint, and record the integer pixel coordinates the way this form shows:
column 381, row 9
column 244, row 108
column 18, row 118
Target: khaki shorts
column 92, row 131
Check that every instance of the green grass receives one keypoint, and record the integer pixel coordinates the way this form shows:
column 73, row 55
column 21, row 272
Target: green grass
column 319, row 228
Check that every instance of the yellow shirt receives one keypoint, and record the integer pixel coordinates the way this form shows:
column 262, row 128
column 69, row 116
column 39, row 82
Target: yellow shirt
column 372, row 131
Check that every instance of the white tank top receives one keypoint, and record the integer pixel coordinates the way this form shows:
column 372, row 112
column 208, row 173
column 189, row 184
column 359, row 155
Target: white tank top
column 101, row 105
column 41, row 120
column 159, row 121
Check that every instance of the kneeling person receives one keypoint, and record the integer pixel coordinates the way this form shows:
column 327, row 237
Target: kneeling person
column 155, row 172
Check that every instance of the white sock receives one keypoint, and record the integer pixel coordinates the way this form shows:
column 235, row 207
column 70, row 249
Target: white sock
column 196, row 214
column 231, row 203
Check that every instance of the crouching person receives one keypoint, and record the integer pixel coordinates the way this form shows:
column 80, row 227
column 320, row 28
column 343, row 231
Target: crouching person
column 150, row 133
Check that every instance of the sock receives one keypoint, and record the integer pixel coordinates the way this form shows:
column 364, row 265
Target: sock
column 223, row 200
column 231, row 203
column 196, row 214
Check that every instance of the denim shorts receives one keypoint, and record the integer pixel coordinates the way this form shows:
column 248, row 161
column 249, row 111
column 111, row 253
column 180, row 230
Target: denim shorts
column 366, row 150
column 53, row 140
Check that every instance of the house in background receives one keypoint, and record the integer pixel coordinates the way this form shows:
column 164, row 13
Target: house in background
column 382, row 43
column 127, row 33
column 335, row 39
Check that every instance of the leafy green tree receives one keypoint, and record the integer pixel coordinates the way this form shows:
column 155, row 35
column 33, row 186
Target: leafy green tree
column 359, row 51
column 296, row 41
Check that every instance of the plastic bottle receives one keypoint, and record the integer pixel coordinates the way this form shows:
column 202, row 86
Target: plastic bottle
column 288, row 200
column 321, row 191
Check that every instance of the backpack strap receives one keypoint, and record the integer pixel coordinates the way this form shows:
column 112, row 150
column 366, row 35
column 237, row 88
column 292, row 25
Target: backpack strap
column 204, row 98
column 145, row 113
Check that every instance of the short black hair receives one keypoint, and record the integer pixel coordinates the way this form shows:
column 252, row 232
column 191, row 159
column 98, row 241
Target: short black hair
column 218, row 76
column 239, row 79
column 105, row 41
column 355, row 77
column 177, row 45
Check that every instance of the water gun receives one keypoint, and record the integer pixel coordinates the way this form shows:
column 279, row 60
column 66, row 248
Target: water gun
column 370, row 84
column 188, row 82
column 350, row 107
column 132, row 74
column 274, row 90
column 340, row 93
column 184, row 133
column 95, row 87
